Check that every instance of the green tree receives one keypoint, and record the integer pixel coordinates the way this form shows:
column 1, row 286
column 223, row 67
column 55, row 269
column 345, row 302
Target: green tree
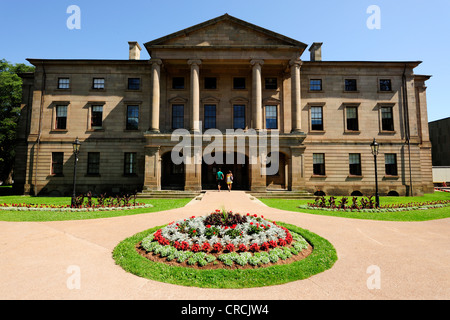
column 10, row 99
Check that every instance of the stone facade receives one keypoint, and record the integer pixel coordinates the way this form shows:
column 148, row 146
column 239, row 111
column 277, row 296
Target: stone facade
column 224, row 73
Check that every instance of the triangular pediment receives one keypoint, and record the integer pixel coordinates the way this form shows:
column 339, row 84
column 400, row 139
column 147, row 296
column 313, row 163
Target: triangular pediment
column 225, row 31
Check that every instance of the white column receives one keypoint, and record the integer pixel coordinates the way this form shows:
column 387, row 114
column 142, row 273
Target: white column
column 257, row 93
column 156, row 99
column 296, row 96
column 195, row 95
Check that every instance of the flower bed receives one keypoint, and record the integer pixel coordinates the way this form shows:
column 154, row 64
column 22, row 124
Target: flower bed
column 68, row 208
column 367, row 204
column 226, row 237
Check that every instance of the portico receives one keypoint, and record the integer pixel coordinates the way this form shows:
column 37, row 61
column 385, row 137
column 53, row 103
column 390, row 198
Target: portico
column 238, row 58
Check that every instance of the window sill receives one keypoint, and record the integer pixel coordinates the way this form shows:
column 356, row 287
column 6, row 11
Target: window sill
column 131, row 130
column 318, row 176
column 351, row 176
column 387, row 132
column 387, row 177
column 346, row 91
column 97, row 90
column 317, row 131
column 316, row 91
column 133, row 90
column 352, row 132
column 93, row 175
column 59, row 131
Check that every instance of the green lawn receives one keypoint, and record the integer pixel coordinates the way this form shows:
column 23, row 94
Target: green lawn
column 10, row 215
column 415, row 215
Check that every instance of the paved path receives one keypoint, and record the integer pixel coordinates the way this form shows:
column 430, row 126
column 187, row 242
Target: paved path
column 413, row 258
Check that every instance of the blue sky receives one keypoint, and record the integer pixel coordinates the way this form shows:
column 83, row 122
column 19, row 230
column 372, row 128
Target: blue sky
column 413, row 30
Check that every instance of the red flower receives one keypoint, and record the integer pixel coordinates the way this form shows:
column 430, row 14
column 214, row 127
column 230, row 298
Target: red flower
column 242, row 247
column 217, row 247
column 208, row 226
column 184, row 245
column 265, row 246
column 195, row 247
column 254, row 247
column 273, row 244
column 230, row 247
column 281, row 242
column 206, row 246
column 176, row 245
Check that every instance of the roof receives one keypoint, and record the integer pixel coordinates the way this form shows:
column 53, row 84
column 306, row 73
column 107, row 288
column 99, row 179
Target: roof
column 168, row 41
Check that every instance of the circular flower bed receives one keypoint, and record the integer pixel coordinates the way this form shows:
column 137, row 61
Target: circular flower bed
column 226, row 237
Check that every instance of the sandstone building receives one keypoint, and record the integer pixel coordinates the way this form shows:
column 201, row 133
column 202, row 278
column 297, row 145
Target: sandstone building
column 224, row 73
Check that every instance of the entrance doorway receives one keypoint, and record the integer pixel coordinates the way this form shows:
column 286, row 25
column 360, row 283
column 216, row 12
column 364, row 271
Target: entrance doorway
column 240, row 173
column 172, row 175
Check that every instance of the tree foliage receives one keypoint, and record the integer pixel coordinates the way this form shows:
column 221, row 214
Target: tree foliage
column 10, row 99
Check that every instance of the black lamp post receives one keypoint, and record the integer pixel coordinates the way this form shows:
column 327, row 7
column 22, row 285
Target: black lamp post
column 76, row 150
column 375, row 147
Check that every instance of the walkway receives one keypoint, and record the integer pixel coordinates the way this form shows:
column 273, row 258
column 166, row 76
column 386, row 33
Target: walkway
column 413, row 257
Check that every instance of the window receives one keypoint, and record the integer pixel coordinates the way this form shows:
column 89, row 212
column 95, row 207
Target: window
column 238, row 116
column 57, row 163
column 238, row 83
column 315, row 85
column 390, row 163
column 271, row 83
column 355, row 164
column 316, row 118
column 93, row 165
column 98, row 83
column 177, row 116
column 271, row 117
column 132, row 117
column 385, row 85
column 387, row 119
column 350, row 85
column 177, row 83
column 97, row 117
column 61, row 117
column 352, row 118
column 130, row 163
column 210, row 116
column 63, row 83
column 319, row 164
column 134, row 83
column 210, row 83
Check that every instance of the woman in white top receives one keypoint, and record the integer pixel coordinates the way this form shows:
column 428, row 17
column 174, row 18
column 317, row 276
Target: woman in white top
column 229, row 179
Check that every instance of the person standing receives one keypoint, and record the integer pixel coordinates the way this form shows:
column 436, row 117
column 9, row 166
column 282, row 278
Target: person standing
column 229, row 180
column 219, row 178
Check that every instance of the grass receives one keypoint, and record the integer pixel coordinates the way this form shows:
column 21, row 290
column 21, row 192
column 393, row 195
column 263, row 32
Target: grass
column 322, row 258
column 35, row 216
column 415, row 215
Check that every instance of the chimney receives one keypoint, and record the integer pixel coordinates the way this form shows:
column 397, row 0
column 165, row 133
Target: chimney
column 316, row 51
column 135, row 50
